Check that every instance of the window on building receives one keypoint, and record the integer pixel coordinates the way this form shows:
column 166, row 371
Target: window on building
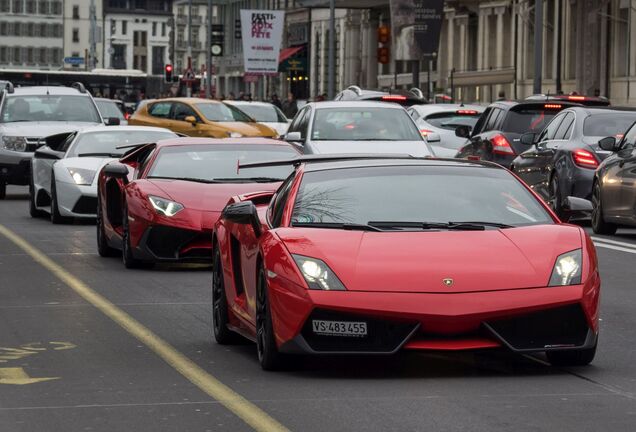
column 29, row 56
column 195, row 37
column 56, row 8
column 140, row 62
column 4, row 56
column 181, row 11
column 117, row 4
column 4, row 28
column 76, row 12
column 76, row 35
column 163, row 29
column 621, row 35
column 31, row 6
column 5, row 6
column 17, row 56
column 43, row 56
column 140, row 4
column 75, row 54
column 154, row 28
column 59, row 30
column 43, row 7
column 28, row 29
column 118, row 60
column 124, row 27
column 17, row 29
column 158, row 54
column 18, row 6
column 44, row 30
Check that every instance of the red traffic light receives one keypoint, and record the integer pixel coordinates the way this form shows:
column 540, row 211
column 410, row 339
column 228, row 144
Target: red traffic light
column 168, row 68
column 384, row 34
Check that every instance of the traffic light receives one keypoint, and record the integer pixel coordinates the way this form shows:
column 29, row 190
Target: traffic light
column 167, row 73
column 384, row 40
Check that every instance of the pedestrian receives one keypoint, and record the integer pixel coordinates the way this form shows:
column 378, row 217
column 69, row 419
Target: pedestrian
column 290, row 107
column 501, row 95
column 231, row 96
column 276, row 101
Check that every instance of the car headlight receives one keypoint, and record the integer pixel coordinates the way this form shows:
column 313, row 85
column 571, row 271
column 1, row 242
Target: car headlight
column 318, row 274
column 82, row 176
column 165, row 206
column 567, row 269
column 14, row 143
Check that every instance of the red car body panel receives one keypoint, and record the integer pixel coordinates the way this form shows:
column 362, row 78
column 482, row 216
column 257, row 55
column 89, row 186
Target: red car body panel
column 498, row 275
column 203, row 202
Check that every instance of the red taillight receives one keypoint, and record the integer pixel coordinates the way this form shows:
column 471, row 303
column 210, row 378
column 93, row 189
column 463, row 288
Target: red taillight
column 467, row 112
column 584, row 158
column 394, row 98
column 500, row 145
column 425, row 132
column 127, row 116
column 552, row 106
column 577, row 98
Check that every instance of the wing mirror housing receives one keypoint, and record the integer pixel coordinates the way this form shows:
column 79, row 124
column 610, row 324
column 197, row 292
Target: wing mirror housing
column 112, row 121
column 577, row 206
column 528, row 138
column 243, row 213
column 46, row 152
column 116, row 170
column 609, row 144
column 433, row 137
column 463, row 131
column 191, row 119
column 293, row 136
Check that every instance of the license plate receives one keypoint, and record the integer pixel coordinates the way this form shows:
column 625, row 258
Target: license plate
column 339, row 328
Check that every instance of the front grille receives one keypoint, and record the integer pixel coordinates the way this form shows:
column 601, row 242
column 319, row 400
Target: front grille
column 33, row 143
column 86, row 205
column 383, row 336
column 166, row 242
column 551, row 328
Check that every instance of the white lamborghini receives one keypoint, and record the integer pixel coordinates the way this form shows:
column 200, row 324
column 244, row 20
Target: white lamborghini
column 63, row 171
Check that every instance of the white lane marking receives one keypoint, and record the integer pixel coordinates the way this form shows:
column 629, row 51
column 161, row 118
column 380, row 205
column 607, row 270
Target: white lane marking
column 614, row 242
column 618, row 248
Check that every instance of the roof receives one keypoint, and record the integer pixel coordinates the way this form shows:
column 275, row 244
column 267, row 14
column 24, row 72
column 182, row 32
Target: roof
column 370, row 162
column 603, row 109
column 189, row 100
column 123, row 128
column 443, row 107
column 354, row 104
column 241, row 102
column 220, row 141
column 42, row 90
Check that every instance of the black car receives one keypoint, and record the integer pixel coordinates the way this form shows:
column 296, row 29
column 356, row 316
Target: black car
column 401, row 97
column 496, row 135
column 562, row 159
column 614, row 187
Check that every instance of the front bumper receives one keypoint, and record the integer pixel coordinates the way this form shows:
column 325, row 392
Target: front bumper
column 15, row 167
column 523, row 320
column 162, row 243
column 77, row 201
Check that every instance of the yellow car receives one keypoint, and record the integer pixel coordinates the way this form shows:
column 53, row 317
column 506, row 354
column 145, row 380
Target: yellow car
column 199, row 118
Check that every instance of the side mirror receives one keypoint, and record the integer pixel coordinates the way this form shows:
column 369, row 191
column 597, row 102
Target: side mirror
column 46, row 152
column 116, row 170
column 293, row 136
column 528, row 138
column 191, row 119
column 433, row 137
column 243, row 213
column 463, row 131
column 608, row 143
column 574, row 204
column 111, row 121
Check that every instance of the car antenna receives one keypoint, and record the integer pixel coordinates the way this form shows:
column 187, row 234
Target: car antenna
column 47, row 84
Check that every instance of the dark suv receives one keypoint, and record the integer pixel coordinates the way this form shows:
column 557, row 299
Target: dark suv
column 496, row 136
column 401, row 97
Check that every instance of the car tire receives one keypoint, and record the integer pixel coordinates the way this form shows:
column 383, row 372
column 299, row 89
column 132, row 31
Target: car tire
column 269, row 357
column 220, row 318
column 129, row 260
column 3, row 190
column 56, row 217
column 575, row 357
column 598, row 223
column 102, row 242
column 556, row 200
column 33, row 210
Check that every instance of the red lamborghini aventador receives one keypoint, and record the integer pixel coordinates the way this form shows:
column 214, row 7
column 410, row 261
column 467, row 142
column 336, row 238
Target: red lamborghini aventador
column 372, row 256
column 160, row 201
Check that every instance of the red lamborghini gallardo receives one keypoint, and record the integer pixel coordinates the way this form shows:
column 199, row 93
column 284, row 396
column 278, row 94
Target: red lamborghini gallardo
column 160, row 201
column 372, row 256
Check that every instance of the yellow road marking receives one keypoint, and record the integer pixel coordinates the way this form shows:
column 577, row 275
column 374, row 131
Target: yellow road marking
column 248, row 412
column 17, row 376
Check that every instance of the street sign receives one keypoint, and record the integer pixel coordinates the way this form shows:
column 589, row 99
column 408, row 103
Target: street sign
column 188, row 75
column 74, row 60
column 217, row 50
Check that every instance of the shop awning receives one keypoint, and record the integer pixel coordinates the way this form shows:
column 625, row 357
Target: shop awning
column 286, row 53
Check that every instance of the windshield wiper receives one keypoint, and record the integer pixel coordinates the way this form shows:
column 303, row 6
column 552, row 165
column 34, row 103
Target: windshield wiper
column 249, row 180
column 337, row 225
column 484, row 224
column 100, row 154
column 192, row 179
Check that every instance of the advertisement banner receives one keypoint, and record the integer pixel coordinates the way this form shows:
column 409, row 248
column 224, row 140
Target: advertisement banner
column 262, row 33
column 416, row 26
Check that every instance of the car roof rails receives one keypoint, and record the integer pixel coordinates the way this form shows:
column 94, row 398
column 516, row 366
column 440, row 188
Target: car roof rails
column 357, row 90
column 9, row 87
column 417, row 92
column 79, row 86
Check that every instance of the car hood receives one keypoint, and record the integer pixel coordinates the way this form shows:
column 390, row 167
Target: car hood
column 413, row 148
column 489, row 260
column 41, row 129
column 247, row 129
column 207, row 196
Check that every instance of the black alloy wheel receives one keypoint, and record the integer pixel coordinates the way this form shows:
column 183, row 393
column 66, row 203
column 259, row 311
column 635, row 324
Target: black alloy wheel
column 33, row 210
column 598, row 223
column 220, row 320
column 556, row 200
column 56, row 217
column 127, row 256
column 102, row 242
column 572, row 357
column 269, row 357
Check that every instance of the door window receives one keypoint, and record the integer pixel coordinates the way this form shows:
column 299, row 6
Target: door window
column 565, row 129
column 493, row 119
column 181, row 111
column 630, row 138
column 549, row 132
column 278, row 202
column 294, row 126
column 161, row 110
column 304, row 123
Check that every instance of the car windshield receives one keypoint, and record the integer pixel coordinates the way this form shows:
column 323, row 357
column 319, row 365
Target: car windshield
column 263, row 113
column 451, row 120
column 49, row 108
column 105, row 143
column 364, row 124
column 608, row 124
column 109, row 109
column 411, row 193
column 219, row 163
column 528, row 120
column 220, row 112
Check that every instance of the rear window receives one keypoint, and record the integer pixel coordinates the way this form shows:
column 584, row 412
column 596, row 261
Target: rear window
column 220, row 112
column 109, row 109
column 531, row 119
column 263, row 113
column 451, row 120
column 610, row 124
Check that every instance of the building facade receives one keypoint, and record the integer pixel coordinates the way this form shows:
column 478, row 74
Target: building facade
column 83, row 31
column 182, row 34
column 31, row 34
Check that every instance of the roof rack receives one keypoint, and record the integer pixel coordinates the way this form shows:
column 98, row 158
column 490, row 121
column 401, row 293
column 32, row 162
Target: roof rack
column 79, row 86
column 357, row 90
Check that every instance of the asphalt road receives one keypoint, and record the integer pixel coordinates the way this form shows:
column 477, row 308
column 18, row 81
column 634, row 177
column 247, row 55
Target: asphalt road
column 67, row 365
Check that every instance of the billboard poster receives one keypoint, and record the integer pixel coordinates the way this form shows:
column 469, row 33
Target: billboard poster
column 262, row 33
column 416, row 26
